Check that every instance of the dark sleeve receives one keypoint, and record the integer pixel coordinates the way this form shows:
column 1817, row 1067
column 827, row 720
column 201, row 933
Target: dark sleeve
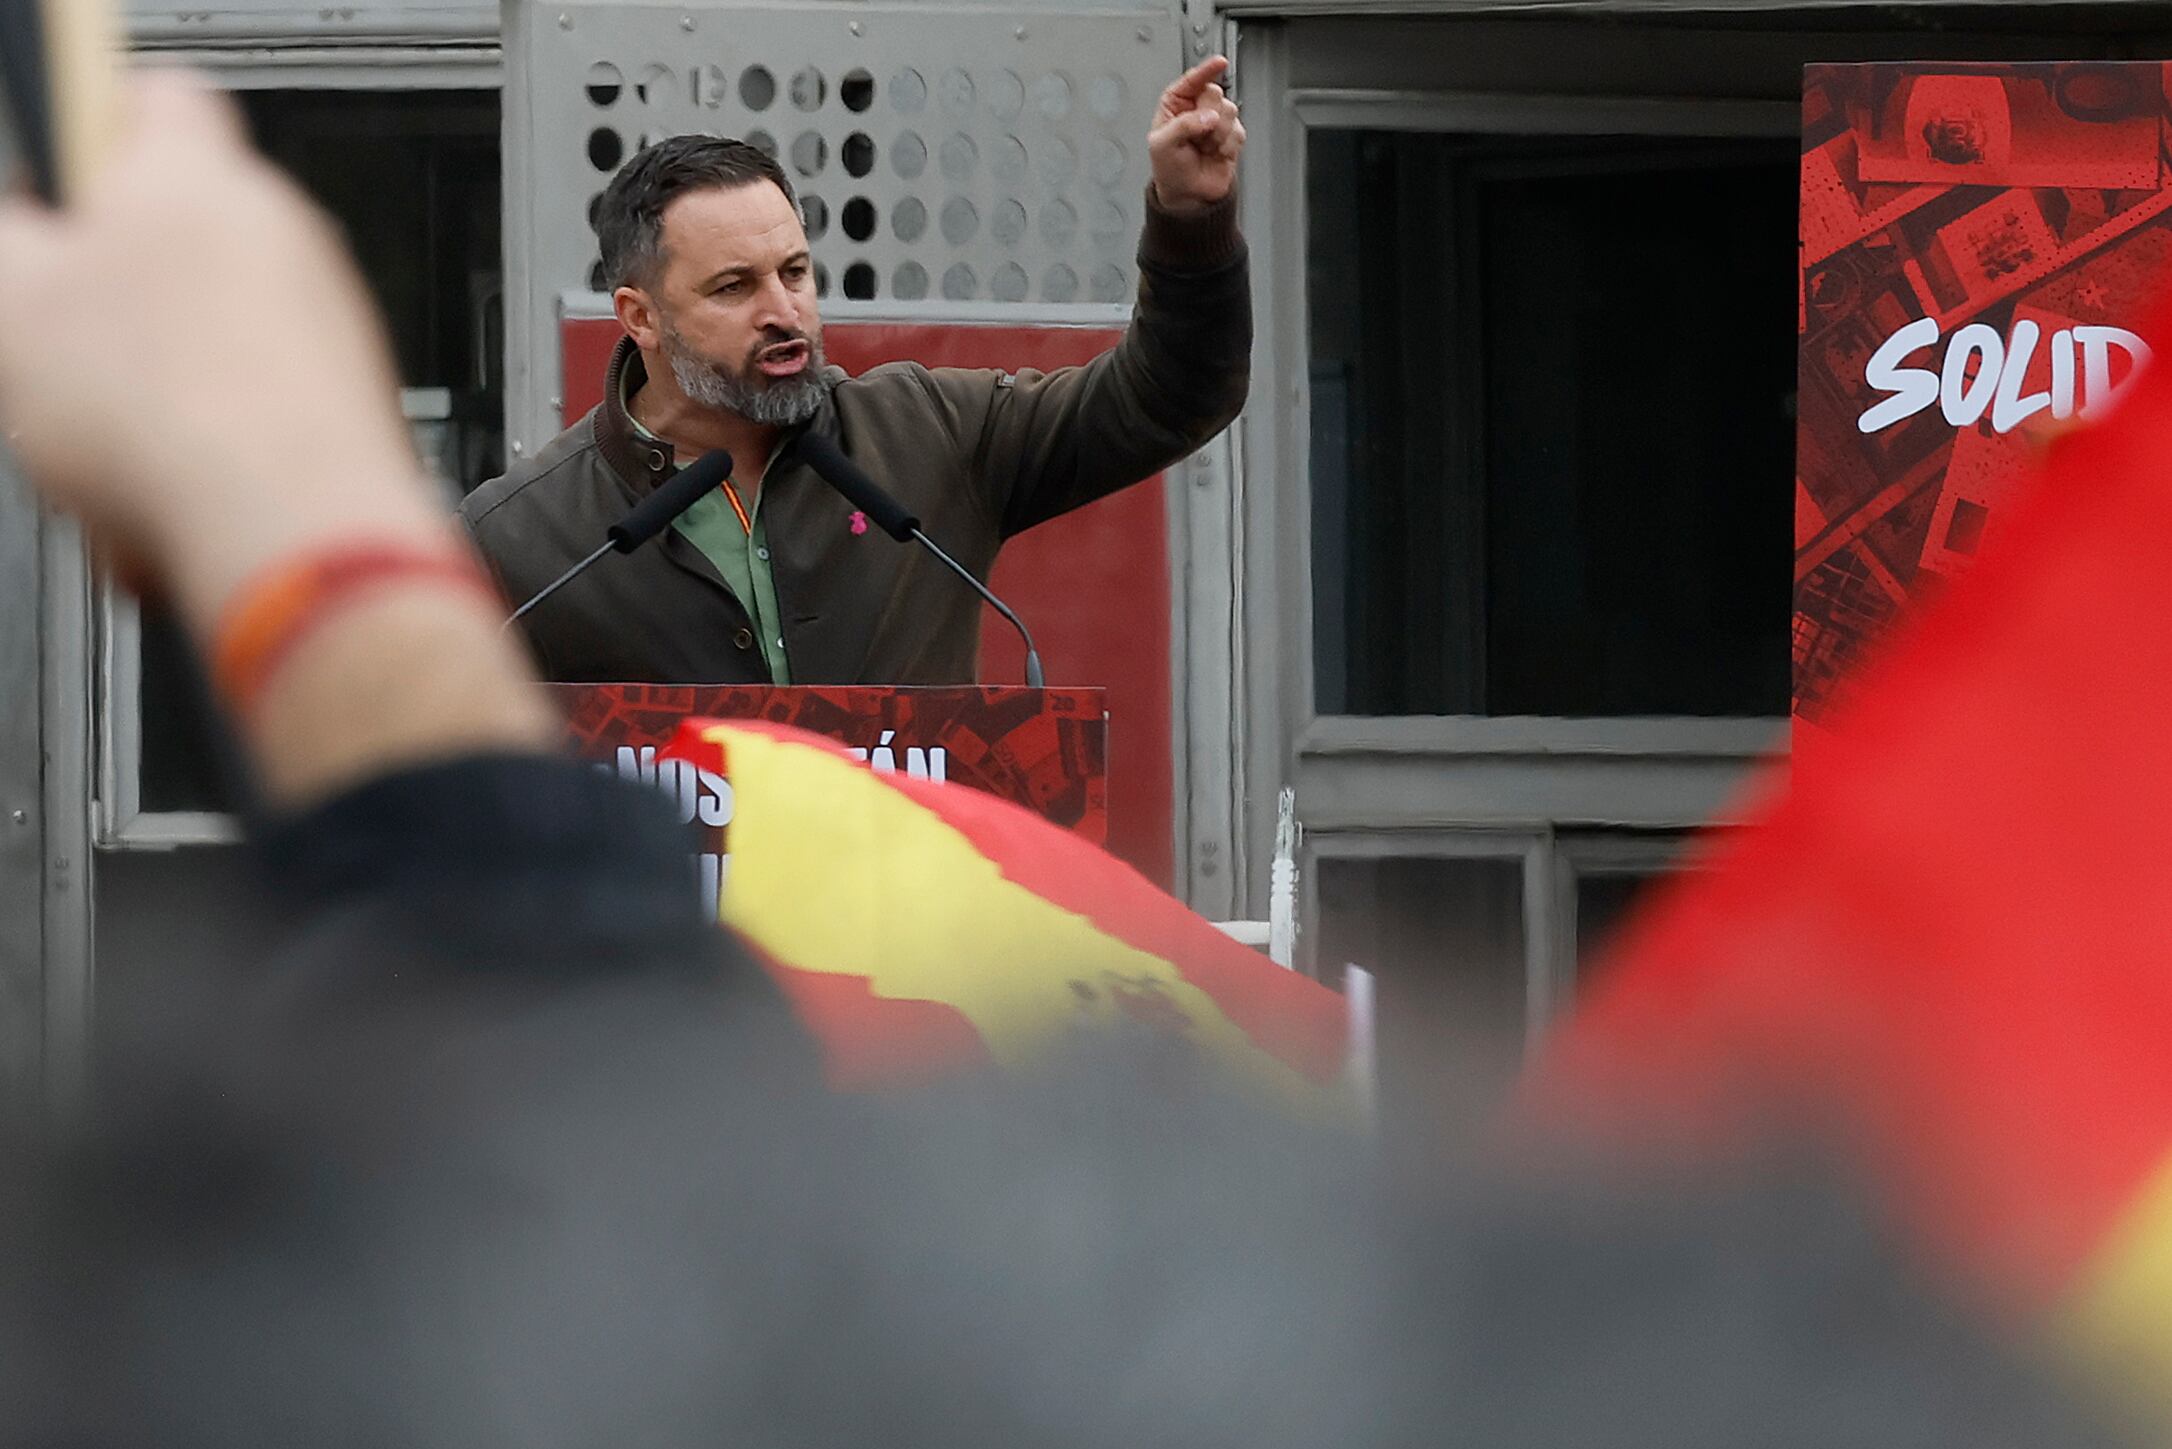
column 1055, row 441
column 532, row 871
column 503, row 1080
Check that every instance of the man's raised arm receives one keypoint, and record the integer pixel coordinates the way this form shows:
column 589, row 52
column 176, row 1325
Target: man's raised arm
column 1051, row 442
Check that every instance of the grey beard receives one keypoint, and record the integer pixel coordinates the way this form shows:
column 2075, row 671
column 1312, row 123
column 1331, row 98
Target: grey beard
column 786, row 402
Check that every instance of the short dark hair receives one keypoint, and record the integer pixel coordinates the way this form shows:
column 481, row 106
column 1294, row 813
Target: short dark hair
column 630, row 218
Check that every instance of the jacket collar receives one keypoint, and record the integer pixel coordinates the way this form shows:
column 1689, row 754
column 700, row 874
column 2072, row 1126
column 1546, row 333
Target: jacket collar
column 640, row 463
column 643, row 463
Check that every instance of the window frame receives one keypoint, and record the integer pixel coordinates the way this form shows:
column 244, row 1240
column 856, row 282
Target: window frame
column 1416, row 784
column 1545, row 990
column 1508, row 114
column 120, row 820
column 1553, row 860
column 1580, row 856
column 464, row 60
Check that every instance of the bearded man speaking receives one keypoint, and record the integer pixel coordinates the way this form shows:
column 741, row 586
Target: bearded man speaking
column 773, row 578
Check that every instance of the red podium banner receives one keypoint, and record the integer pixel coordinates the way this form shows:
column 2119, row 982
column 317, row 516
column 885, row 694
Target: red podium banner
column 1977, row 243
column 1044, row 749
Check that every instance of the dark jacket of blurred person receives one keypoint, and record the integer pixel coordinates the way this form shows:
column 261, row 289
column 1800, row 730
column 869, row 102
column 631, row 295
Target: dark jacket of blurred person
column 508, row 1147
column 977, row 455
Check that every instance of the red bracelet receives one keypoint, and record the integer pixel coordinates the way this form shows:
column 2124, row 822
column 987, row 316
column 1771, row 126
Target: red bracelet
column 271, row 614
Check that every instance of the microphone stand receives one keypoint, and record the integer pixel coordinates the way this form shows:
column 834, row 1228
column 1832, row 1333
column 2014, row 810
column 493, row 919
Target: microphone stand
column 558, row 583
column 1033, row 656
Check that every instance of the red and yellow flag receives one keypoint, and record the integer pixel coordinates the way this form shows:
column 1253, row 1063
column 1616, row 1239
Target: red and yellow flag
column 1953, row 932
column 922, row 928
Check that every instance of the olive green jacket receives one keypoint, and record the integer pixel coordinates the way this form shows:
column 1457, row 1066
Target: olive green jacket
column 977, row 455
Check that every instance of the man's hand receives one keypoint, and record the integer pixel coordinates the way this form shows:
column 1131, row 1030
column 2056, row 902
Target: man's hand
column 1195, row 140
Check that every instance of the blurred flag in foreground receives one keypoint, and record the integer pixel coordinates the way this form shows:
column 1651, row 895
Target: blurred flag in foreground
column 921, row 929
column 1951, row 938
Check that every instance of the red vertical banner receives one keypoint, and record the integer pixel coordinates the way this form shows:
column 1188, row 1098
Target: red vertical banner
column 1978, row 244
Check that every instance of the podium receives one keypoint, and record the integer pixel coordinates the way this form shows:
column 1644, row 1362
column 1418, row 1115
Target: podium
column 1044, row 749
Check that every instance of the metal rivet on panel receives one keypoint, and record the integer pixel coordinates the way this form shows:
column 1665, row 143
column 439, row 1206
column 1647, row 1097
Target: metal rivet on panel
column 686, row 22
column 565, row 22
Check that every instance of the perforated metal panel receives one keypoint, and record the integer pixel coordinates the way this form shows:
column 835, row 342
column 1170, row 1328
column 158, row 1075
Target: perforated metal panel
column 949, row 160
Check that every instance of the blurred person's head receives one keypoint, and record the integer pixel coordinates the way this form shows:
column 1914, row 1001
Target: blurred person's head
column 707, row 261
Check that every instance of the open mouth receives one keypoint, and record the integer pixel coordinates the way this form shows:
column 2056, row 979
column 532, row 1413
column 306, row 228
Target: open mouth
column 785, row 359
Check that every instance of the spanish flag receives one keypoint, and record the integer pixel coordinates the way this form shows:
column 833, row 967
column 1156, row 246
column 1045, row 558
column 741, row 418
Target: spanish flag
column 1950, row 938
column 922, row 929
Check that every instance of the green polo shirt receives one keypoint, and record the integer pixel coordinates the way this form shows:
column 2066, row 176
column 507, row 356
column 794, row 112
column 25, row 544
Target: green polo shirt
column 742, row 558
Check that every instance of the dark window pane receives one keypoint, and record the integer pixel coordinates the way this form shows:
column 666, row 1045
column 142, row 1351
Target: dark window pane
column 180, row 768
column 1551, row 454
column 1445, row 938
column 412, row 177
column 1603, row 903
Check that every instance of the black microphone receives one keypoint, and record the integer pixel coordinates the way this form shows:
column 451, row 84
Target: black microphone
column 886, row 513
column 651, row 516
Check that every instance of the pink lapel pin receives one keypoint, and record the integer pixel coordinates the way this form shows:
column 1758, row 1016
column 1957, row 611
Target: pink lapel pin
column 859, row 522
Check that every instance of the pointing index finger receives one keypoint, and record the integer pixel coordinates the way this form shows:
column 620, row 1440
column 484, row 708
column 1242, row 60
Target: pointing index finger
column 1192, row 83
